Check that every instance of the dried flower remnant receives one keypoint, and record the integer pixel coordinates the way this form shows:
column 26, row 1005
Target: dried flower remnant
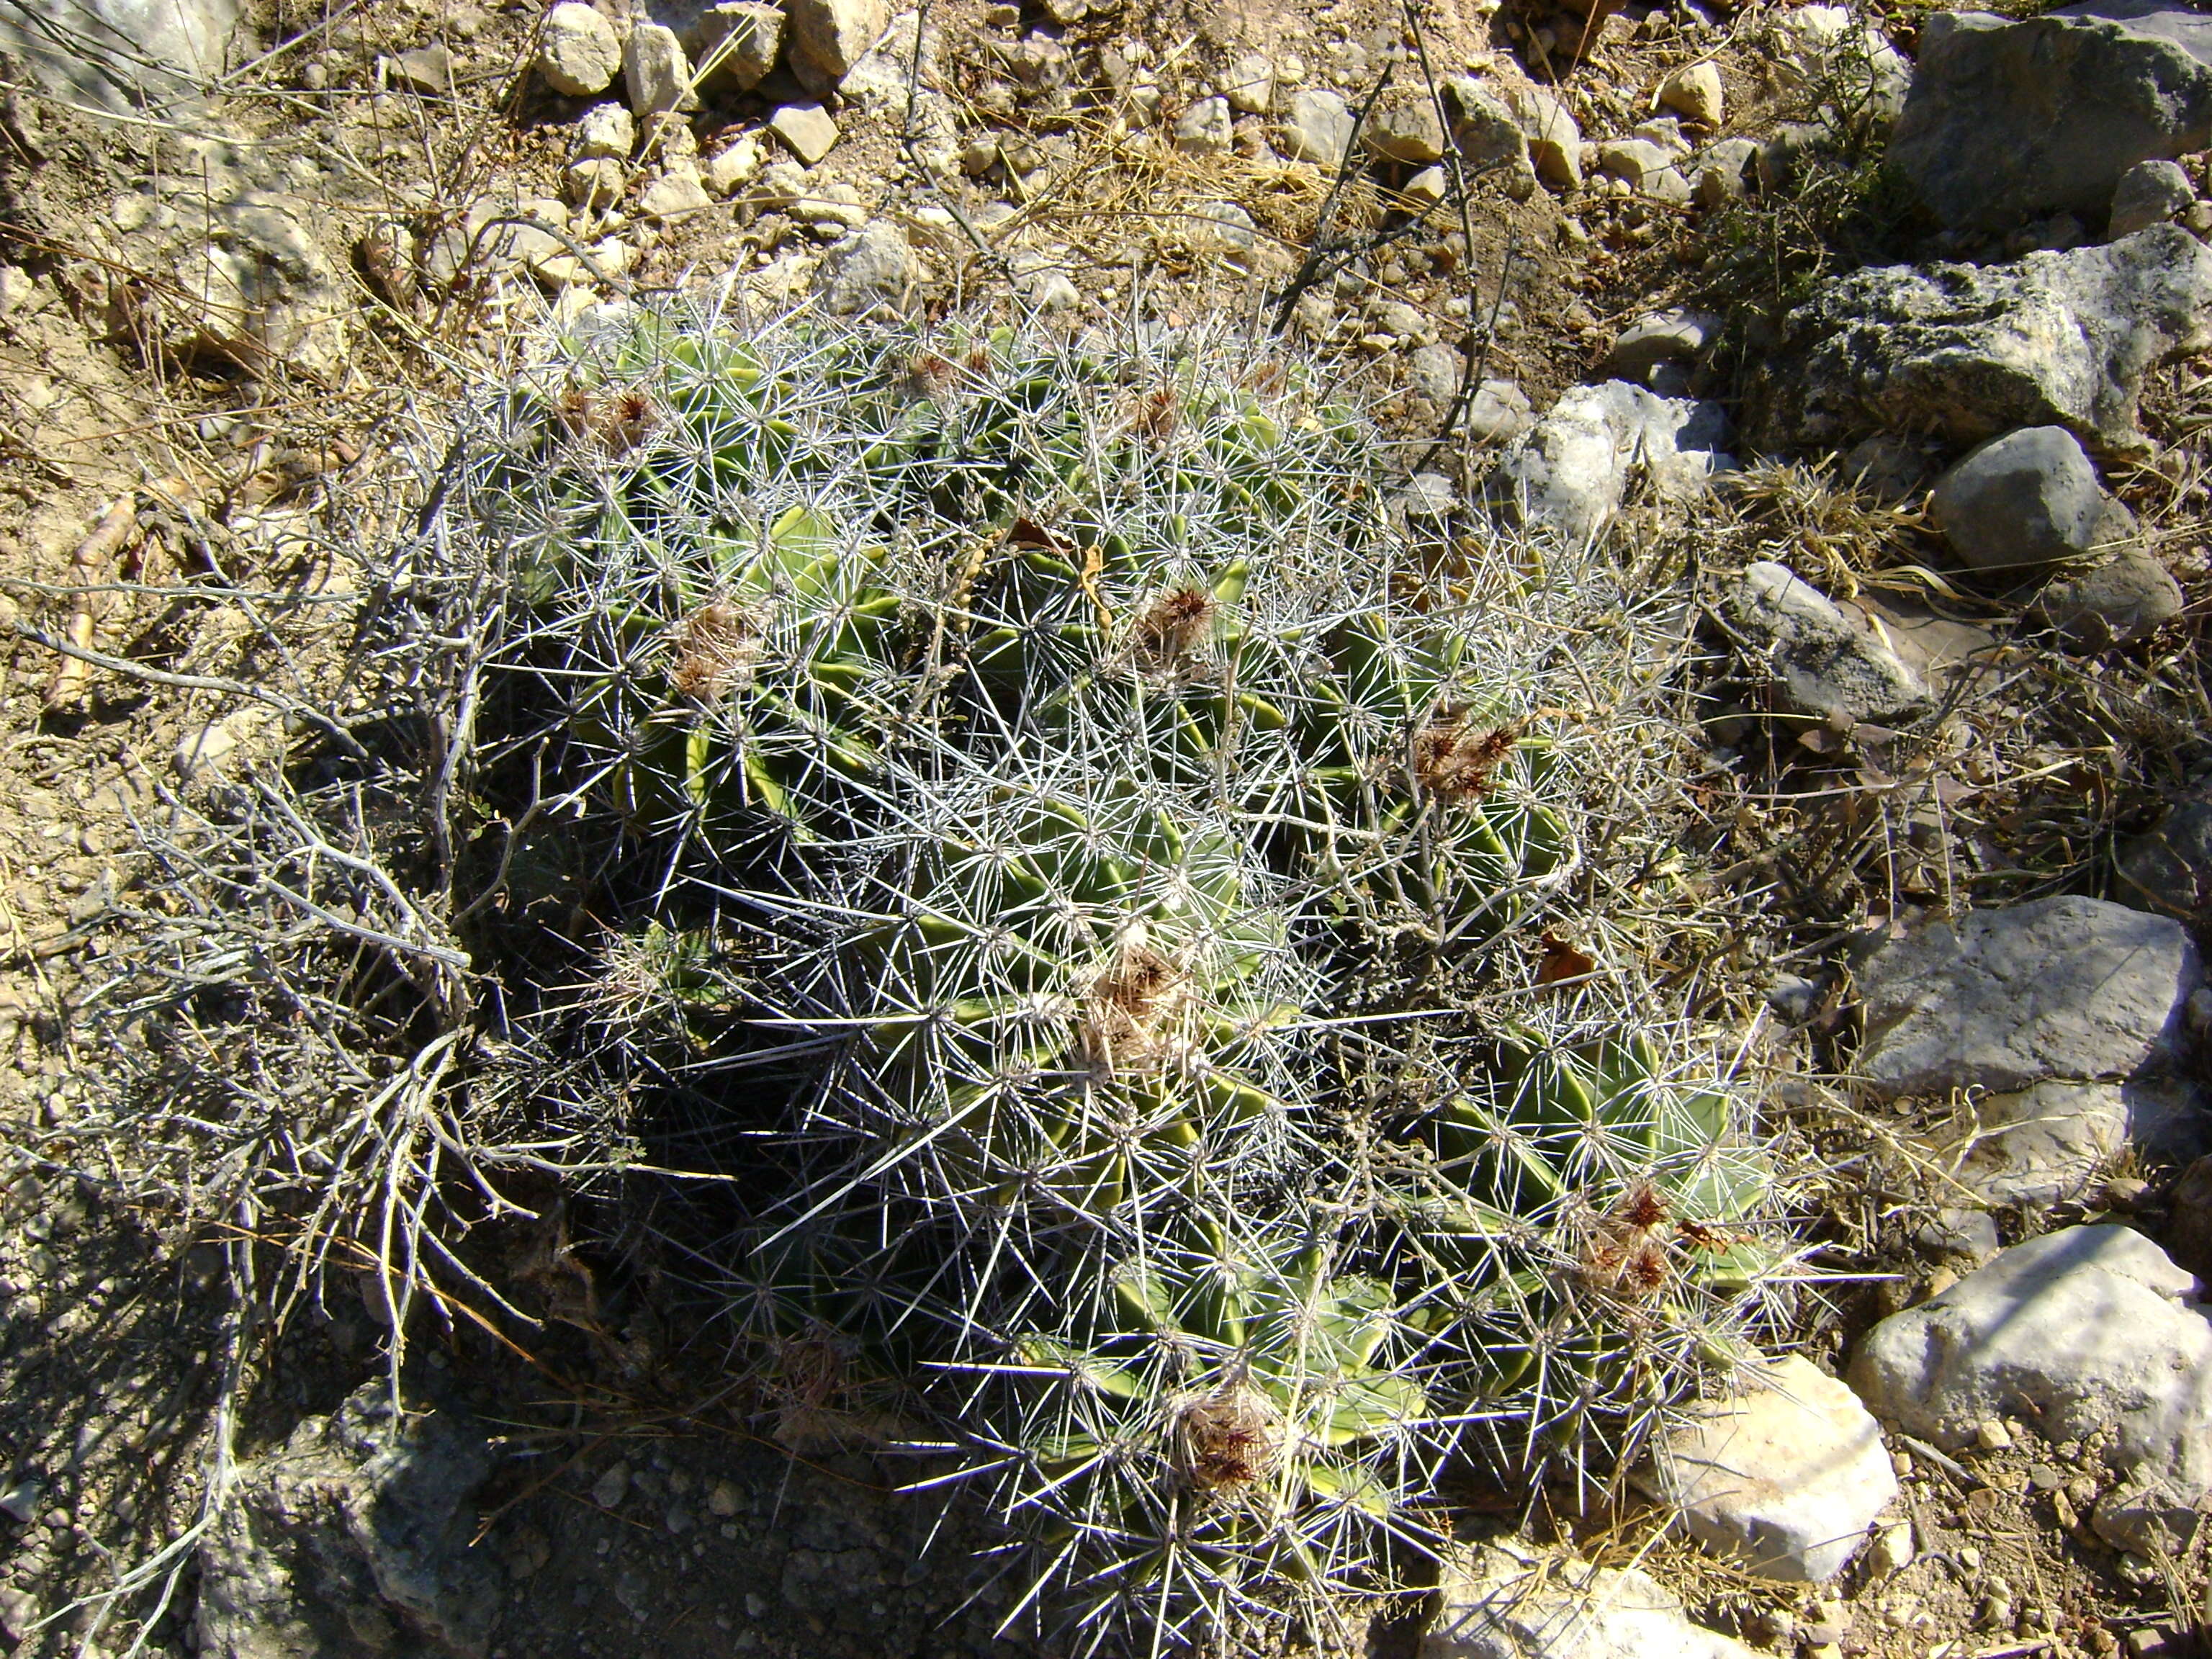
column 1562, row 962
column 1158, row 414
column 1131, row 1009
column 1454, row 758
column 1172, row 626
column 716, row 647
column 933, row 376
column 617, row 421
column 1623, row 1255
column 1228, row 1441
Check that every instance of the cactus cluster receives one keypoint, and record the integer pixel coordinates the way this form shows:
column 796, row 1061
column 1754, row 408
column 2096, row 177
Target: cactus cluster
column 1060, row 756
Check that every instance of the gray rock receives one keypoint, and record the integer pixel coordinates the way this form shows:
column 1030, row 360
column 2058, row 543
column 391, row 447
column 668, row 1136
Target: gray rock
column 1317, row 127
column 2189, row 1220
column 594, row 185
column 1555, row 142
column 2125, row 599
column 1043, row 284
column 1498, row 412
column 734, row 45
column 1954, row 1230
column 1828, row 665
column 239, row 277
column 1968, row 352
column 1227, row 223
column 1435, row 372
column 2082, row 1331
column 731, row 169
column 577, row 51
column 829, row 37
column 1785, row 149
column 2147, row 1515
column 2009, row 122
column 871, row 271
column 1488, row 136
column 1396, row 318
column 1404, row 126
column 605, row 130
column 1677, row 335
column 1784, row 1477
column 1510, row 1602
column 1666, row 131
column 1723, row 171
column 495, row 237
column 1694, row 92
column 656, row 73
column 1427, row 502
column 2149, row 193
column 2039, row 1145
column 679, row 193
column 2069, row 989
column 1427, row 189
column 2020, row 503
column 1205, row 128
column 1037, row 61
column 839, row 204
column 1249, row 85
column 611, row 1486
column 781, row 184
column 1633, row 160
column 120, row 54
column 426, row 69
column 806, row 129
column 1850, row 60
column 1569, row 473
column 353, row 1537
column 2169, row 868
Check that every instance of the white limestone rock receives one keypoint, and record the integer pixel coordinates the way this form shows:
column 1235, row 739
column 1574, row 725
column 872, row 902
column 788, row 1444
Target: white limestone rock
column 2082, row 1331
column 577, row 51
column 1571, row 472
column 1509, row 1602
column 1784, row 1477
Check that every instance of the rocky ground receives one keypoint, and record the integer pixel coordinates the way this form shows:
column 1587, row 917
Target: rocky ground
column 1893, row 320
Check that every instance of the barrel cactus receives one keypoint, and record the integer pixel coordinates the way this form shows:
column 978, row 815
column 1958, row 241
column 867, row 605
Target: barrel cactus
column 1052, row 759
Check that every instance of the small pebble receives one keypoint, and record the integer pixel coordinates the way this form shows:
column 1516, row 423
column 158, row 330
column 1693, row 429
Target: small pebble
column 722, row 1500
column 608, row 1491
column 1991, row 1435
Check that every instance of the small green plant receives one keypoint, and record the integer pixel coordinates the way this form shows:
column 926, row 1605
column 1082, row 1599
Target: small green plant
column 1108, row 814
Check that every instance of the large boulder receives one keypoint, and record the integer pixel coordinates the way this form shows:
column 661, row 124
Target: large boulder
column 2086, row 1333
column 2022, row 502
column 1967, row 352
column 1784, row 1476
column 235, row 273
column 1826, row 664
column 352, row 1538
column 121, row 54
column 1848, row 60
column 2169, row 867
column 2008, row 121
column 2062, row 989
column 2052, row 1141
column 1569, row 473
